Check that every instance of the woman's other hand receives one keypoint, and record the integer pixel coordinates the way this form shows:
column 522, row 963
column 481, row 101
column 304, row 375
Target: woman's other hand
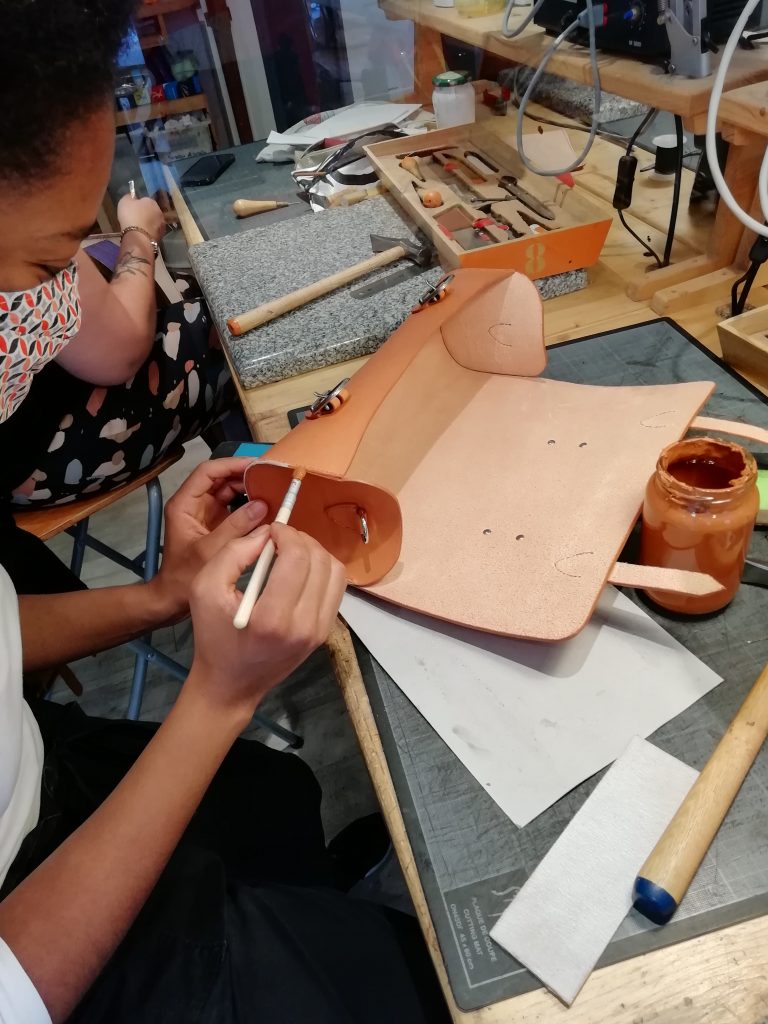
column 198, row 524
column 141, row 213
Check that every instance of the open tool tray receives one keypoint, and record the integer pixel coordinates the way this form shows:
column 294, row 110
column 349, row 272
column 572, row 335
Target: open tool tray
column 492, row 212
column 744, row 341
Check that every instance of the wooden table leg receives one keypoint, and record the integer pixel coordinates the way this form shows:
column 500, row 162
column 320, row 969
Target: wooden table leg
column 428, row 61
column 725, row 237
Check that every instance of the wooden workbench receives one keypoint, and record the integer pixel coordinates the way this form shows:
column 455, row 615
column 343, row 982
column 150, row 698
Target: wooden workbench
column 714, row 979
column 634, row 80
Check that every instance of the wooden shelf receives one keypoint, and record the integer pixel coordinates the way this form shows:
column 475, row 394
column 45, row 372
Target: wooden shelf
column 625, row 76
column 138, row 115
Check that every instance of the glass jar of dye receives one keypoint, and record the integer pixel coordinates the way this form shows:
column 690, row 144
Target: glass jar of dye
column 699, row 512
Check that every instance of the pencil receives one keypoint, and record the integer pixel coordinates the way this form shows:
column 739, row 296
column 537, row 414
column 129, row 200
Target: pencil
column 265, row 559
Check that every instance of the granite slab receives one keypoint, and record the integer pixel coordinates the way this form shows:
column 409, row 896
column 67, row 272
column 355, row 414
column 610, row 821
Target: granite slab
column 239, row 272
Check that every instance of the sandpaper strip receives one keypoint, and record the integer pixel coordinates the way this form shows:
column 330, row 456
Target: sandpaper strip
column 564, row 916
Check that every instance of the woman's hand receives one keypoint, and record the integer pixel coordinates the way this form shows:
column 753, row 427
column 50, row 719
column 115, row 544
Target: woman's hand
column 141, row 213
column 292, row 617
column 197, row 526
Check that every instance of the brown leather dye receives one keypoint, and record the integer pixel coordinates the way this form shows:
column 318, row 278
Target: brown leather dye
column 699, row 511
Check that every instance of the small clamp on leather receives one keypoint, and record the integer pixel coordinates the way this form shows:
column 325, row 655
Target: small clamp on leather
column 328, row 401
column 434, row 294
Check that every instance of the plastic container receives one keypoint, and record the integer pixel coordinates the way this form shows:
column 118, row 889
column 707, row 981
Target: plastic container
column 699, row 512
column 181, row 138
column 453, row 99
column 479, row 8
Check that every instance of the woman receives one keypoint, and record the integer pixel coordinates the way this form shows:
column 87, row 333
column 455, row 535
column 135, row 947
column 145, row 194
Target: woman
column 165, row 873
column 136, row 381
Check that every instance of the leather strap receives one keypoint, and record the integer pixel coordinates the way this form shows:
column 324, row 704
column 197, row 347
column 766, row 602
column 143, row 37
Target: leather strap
column 655, row 577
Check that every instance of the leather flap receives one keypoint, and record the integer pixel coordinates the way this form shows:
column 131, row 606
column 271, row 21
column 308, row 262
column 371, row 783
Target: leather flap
column 332, row 510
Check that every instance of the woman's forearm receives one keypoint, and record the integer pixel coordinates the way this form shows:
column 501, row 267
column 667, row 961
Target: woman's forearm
column 66, row 919
column 133, row 283
column 58, row 628
column 118, row 319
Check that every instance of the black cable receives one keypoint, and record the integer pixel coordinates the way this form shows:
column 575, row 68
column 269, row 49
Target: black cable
column 758, row 255
column 676, row 193
column 737, row 305
column 734, row 293
column 646, row 247
column 649, row 118
column 622, row 198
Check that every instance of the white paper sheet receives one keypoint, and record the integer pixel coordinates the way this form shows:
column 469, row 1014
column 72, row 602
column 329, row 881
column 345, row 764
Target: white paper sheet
column 355, row 120
column 531, row 721
column 564, row 916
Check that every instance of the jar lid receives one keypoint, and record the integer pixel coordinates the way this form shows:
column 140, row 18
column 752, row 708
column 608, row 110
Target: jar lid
column 447, row 78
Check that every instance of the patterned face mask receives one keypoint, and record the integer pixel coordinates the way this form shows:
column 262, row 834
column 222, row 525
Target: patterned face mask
column 35, row 325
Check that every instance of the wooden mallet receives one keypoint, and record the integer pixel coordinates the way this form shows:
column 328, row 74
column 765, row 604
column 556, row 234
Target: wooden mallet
column 388, row 250
column 664, row 878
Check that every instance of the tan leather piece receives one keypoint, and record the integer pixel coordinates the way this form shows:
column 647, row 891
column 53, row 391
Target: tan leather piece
column 734, row 427
column 517, row 494
column 328, row 443
column 326, row 509
column 486, row 334
column 656, row 577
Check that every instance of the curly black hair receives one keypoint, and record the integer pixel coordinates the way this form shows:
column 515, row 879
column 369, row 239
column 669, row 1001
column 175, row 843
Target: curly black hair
column 58, row 66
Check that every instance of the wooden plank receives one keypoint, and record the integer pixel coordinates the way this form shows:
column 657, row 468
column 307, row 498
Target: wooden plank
column 747, row 107
column 621, row 75
column 428, row 61
column 148, row 112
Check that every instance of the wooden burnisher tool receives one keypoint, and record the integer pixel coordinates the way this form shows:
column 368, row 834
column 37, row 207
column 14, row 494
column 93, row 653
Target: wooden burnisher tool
column 664, row 878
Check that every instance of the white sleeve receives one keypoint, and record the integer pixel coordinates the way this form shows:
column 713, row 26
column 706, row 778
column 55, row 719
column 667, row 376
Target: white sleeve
column 19, row 999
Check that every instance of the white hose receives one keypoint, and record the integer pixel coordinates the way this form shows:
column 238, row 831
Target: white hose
column 714, row 103
column 513, row 33
column 597, row 96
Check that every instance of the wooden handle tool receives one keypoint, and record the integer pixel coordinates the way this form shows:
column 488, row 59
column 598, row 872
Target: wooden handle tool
column 272, row 310
column 664, row 878
column 248, row 207
column 352, row 196
column 412, row 166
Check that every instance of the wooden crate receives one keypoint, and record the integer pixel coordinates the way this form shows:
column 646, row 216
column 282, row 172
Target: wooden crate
column 744, row 341
column 572, row 240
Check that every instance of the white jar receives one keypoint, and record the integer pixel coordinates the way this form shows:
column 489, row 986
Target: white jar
column 453, row 99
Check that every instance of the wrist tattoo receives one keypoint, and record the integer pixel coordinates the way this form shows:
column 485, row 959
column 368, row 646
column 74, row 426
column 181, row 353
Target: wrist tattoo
column 131, row 263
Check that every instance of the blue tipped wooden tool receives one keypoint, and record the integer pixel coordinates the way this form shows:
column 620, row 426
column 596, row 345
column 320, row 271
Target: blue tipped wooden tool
column 666, row 875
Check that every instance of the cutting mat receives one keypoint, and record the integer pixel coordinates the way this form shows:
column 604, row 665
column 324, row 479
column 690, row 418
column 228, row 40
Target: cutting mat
column 471, row 858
